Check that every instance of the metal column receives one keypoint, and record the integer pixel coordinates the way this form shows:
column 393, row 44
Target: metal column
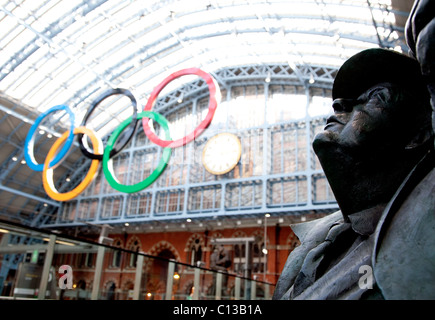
column 218, row 285
column 170, row 280
column 47, row 265
column 138, row 277
column 196, row 283
column 98, row 272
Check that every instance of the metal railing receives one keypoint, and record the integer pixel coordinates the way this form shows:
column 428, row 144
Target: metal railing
column 103, row 272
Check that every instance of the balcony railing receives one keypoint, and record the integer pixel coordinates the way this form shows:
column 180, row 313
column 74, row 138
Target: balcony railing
column 30, row 262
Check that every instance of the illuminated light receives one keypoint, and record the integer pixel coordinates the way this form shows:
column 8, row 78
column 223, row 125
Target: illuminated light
column 267, row 215
column 149, row 294
column 264, row 250
column 176, row 276
column 23, row 161
column 14, row 158
column 68, row 179
column 311, row 79
column 126, row 224
column 180, row 99
column 65, row 243
column 189, row 220
column 41, row 131
column 60, row 242
column 49, row 136
column 45, row 205
column 74, row 286
column 4, row 231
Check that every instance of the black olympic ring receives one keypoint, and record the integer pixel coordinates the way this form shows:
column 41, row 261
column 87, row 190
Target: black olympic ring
column 125, row 138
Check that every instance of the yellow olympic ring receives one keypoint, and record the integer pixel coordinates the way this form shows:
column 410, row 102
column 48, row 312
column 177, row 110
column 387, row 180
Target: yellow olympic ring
column 47, row 174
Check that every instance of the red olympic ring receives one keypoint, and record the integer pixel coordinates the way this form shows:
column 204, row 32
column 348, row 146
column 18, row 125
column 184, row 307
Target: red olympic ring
column 212, row 105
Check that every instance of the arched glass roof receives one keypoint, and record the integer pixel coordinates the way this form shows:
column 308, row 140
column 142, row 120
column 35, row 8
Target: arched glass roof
column 68, row 52
column 65, row 51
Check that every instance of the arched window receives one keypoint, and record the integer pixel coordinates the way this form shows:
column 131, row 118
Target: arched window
column 132, row 257
column 159, row 270
column 116, row 255
column 258, row 257
column 110, row 290
column 195, row 252
column 87, row 260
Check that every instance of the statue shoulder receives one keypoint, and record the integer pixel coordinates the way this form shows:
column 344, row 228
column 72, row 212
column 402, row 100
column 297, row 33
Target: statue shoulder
column 310, row 234
column 404, row 259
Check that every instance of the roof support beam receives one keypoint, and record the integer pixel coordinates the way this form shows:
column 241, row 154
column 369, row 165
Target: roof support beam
column 31, row 196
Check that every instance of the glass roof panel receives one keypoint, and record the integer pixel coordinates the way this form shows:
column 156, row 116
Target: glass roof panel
column 58, row 51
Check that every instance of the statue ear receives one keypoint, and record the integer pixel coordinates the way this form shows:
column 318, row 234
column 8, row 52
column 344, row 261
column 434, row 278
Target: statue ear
column 422, row 136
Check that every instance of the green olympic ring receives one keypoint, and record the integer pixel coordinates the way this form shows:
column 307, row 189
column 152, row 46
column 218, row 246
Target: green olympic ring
column 108, row 164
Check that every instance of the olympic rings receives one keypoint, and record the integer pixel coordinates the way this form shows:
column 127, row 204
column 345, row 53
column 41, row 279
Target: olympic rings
column 47, row 176
column 125, row 138
column 30, row 139
column 108, row 165
column 113, row 147
column 212, row 105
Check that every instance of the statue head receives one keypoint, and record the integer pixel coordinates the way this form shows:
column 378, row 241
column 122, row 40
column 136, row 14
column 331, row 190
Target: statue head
column 380, row 102
column 381, row 121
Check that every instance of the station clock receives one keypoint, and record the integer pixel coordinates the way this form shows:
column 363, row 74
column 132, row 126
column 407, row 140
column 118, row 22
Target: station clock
column 221, row 153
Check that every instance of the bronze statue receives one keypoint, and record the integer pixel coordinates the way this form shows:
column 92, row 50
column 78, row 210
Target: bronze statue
column 220, row 260
column 377, row 152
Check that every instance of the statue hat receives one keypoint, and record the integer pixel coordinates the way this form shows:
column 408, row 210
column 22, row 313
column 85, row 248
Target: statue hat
column 372, row 66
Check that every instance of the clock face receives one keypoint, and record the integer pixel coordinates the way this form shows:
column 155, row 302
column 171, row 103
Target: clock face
column 221, row 153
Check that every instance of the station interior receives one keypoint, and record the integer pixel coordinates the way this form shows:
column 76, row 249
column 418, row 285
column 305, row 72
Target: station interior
column 202, row 114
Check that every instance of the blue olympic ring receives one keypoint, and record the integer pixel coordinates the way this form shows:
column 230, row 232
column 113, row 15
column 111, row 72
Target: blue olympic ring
column 30, row 140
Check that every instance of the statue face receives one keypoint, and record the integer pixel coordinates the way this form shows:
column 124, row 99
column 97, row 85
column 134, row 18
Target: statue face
column 372, row 121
